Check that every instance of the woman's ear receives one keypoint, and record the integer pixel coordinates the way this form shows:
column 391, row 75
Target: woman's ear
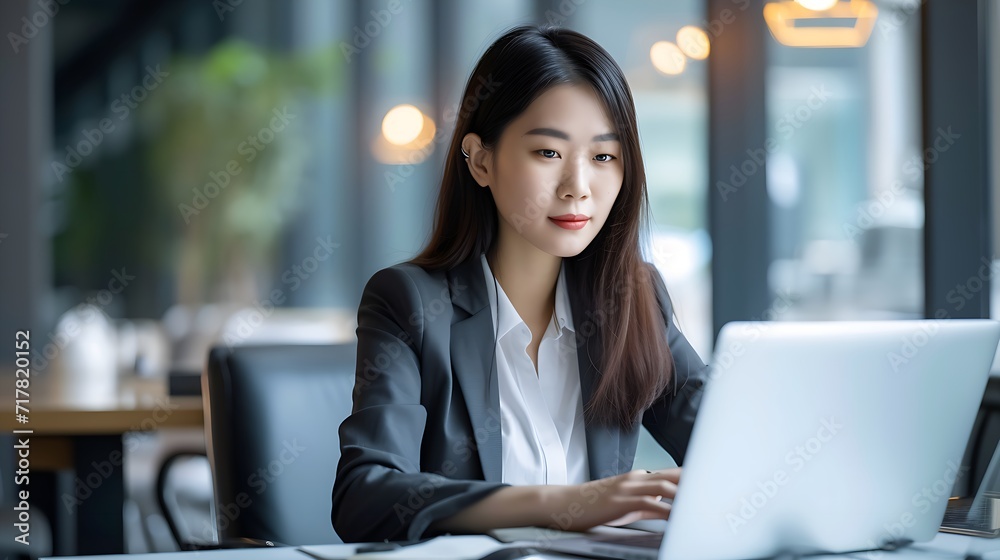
column 480, row 160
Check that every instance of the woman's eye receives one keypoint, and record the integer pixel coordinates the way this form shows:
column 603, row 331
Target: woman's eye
column 548, row 154
column 608, row 157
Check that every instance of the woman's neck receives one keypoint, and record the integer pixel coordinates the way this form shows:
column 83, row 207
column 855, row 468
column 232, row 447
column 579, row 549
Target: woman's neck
column 528, row 277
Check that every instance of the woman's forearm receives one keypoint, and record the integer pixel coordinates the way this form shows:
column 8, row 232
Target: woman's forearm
column 510, row 506
column 617, row 499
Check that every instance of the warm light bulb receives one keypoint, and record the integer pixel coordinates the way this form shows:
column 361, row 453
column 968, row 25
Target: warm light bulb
column 667, row 57
column 817, row 5
column 785, row 19
column 693, row 42
column 402, row 124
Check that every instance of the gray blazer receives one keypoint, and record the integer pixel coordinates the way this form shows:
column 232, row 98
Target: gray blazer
column 423, row 441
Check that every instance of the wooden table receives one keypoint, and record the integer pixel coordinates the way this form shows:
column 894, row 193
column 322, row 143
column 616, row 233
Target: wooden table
column 77, row 456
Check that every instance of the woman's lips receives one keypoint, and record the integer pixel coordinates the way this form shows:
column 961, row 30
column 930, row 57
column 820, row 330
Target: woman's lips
column 572, row 223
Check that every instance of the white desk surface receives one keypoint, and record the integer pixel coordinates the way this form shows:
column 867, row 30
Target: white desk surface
column 944, row 546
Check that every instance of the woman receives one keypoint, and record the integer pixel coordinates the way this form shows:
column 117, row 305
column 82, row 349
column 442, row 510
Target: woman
column 503, row 372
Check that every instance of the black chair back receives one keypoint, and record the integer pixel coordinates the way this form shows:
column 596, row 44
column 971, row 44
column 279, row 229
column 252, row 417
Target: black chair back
column 272, row 415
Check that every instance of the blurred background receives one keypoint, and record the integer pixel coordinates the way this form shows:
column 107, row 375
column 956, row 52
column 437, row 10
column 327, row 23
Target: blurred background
column 179, row 174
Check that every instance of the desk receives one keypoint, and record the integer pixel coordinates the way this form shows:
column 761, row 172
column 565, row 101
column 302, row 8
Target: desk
column 84, row 439
column 945, row 546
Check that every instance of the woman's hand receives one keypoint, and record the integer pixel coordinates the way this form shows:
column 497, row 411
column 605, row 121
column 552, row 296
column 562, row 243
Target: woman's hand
column 616, row 500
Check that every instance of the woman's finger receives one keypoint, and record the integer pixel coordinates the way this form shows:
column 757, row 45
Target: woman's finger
column 648, row 504
column 673, row 475
column 662, row 488
column 636, row 516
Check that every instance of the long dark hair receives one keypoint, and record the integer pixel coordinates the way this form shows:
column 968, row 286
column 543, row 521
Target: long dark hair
column 517, row 68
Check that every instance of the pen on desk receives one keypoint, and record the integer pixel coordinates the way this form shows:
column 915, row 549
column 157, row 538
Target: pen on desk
column 376, row 547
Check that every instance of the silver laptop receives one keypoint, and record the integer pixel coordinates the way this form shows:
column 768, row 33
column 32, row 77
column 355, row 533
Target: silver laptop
column 978, row 515
column 822, row 437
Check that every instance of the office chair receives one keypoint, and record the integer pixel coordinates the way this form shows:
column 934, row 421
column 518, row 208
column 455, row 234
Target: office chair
column 272, row 415
column 184, row 501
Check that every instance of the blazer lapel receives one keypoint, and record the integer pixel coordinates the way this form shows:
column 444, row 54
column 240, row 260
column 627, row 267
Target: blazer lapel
column 603, row 443
column 471, row 362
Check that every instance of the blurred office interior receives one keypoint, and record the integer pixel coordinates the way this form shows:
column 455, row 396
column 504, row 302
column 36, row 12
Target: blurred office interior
column 179, row 174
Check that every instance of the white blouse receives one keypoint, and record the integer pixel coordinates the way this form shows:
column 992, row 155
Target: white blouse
column 541, row 416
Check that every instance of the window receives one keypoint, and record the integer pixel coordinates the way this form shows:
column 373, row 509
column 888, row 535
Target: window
column 844, row 177
column 672, row 111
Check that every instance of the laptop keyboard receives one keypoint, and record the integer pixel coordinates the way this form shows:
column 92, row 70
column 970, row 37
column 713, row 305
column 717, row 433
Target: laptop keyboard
column 962, row 514
column 648, row 540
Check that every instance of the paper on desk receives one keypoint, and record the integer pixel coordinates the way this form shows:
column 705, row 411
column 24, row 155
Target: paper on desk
column 450, row 547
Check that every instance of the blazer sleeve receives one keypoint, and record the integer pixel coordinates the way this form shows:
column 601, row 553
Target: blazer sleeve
column 380, row 492
column 671, row 418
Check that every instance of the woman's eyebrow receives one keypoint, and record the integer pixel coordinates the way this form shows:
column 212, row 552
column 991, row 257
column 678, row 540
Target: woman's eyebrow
column 563, row 136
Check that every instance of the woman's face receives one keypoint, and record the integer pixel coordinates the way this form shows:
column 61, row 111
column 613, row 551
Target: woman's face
column 560, row 157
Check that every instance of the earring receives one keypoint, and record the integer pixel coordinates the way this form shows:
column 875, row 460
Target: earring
column 464, row 153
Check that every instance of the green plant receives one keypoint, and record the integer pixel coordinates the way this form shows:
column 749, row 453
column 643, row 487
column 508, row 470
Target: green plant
column 226, row 153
